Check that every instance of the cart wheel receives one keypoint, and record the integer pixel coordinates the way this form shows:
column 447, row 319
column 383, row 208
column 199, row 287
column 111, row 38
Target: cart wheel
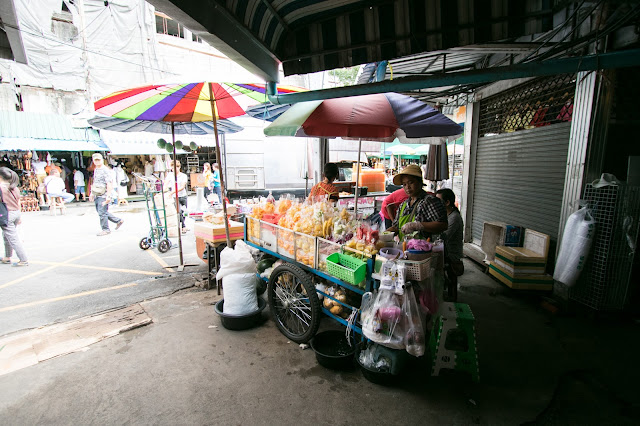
column 294, row 303
column 164, row 246
column 145, row 243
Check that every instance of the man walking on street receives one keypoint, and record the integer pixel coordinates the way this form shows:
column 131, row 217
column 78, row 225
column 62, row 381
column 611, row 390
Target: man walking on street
column 101, row 191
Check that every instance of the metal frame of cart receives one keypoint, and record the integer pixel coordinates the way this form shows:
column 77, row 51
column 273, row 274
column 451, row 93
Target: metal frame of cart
column 158, row 230
column 294, row 299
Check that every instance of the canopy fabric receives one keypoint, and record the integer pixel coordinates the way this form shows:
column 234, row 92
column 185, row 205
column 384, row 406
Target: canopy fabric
column 160, row 127
column 189, row 102
column 33, row 144
column 379, row 117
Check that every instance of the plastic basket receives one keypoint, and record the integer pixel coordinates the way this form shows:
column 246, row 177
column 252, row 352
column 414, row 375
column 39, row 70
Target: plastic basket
column 417, row 270
column 346, row 268
column 323, row 250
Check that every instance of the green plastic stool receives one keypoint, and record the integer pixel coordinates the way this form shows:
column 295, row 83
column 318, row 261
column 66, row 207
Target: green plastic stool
column 453, row 341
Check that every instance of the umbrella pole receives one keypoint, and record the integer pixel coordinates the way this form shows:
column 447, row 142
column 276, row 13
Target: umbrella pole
column 357, row 177
column 219, row 160
column 175, row 181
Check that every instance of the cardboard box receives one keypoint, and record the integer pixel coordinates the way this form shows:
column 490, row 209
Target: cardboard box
column 216, row 233
column 541, row 282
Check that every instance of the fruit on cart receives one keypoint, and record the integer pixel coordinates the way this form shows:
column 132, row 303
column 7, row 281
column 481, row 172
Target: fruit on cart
column 336, row 310
column 327, row 303
column 264, row 264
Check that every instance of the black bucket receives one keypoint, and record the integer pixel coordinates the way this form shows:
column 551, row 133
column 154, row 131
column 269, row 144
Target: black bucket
column 332, row 350
column 240, row 322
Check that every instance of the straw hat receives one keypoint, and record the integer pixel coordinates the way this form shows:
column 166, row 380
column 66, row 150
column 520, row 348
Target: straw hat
column 410, row 170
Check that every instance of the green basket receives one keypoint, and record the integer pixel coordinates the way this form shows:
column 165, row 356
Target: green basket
column 346, row 268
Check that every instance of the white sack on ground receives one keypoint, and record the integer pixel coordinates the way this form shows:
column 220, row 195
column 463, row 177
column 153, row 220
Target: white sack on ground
column 574, row 248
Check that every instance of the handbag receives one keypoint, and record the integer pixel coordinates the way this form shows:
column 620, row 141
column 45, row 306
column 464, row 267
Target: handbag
column 4, row 212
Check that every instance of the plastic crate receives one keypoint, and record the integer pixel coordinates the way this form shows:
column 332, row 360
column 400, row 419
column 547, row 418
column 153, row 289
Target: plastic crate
column 418, row 270
column 305, row 249
column 253, row 230
column 346, row 268
column 286, row 242
column 268, row 235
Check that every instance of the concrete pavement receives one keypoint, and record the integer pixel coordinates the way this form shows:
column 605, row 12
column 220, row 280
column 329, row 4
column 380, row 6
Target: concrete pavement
column 73, row 272
column 185, row 368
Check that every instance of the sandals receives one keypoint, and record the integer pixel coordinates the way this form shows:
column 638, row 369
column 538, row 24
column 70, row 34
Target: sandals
column 6, row 260
column 21, row 263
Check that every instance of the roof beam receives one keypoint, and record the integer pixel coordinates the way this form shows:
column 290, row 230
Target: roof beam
column 620, row 59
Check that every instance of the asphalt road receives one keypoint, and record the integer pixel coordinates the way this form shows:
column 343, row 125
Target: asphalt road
column 73, row 272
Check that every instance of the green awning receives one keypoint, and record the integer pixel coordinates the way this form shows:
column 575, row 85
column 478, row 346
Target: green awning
column 20, row 130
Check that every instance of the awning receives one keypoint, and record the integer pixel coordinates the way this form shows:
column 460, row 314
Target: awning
column 32, row 144
column 30, row 131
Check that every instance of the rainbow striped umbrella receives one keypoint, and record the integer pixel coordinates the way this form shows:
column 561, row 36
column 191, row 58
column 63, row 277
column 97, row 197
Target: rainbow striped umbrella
column 186, row 103
column 190, row 102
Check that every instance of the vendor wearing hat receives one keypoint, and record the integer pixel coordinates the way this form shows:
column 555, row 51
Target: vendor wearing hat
column 421, row 212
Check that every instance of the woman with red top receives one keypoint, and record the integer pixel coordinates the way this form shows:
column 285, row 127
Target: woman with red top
column 390, row 206
column 325, row 187
column 11, row 197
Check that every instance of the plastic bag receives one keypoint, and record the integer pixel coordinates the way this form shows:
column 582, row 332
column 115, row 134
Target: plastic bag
column 414, row 336
column 382, row 320
column 240, row 297
column 574, row 248
column 236, row 261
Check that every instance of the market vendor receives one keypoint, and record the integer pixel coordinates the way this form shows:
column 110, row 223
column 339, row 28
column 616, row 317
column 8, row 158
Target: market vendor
column 325, row 187
column 420, row 212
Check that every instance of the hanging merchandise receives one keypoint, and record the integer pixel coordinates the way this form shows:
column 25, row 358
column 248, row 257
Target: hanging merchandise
column 574, row 248
column 392, row 318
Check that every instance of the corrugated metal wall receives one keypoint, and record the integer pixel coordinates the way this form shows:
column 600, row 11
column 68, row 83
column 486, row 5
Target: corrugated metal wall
column 519, row 179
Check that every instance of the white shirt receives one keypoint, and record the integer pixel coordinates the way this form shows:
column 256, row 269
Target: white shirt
column 182, row 180
column 54, row 185
column 38, row 167
column 78, row 178
column 148, row 169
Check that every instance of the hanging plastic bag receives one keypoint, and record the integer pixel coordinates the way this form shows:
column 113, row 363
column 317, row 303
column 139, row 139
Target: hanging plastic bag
column 574, row 248
column 383, row 320
column 414, row 336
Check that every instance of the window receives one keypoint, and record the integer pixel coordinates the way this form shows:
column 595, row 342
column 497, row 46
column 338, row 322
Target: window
column 166, row 25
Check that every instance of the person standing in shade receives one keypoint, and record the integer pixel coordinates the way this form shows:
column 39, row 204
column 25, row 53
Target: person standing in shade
column 10, row 195
column 169, row 185
column 78, row 184
column 453, row 241
column 216, row 182
column 101, row 191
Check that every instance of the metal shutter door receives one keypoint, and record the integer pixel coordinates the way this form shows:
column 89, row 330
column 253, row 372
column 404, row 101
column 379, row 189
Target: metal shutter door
column 519, row 179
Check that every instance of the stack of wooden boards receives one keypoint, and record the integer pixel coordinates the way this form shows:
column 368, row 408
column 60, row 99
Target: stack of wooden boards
column 522, row 268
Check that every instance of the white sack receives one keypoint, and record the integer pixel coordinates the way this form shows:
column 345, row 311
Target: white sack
column 240, row 297
column 574, row 248
column 238, row 261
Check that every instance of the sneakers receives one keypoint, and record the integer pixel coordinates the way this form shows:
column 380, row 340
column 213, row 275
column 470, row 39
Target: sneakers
column 100, row 234
column 6, row 260
column 119, row 224
column 21, row 263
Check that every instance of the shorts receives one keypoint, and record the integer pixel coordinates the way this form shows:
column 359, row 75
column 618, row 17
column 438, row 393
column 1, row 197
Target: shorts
column 80, row 190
